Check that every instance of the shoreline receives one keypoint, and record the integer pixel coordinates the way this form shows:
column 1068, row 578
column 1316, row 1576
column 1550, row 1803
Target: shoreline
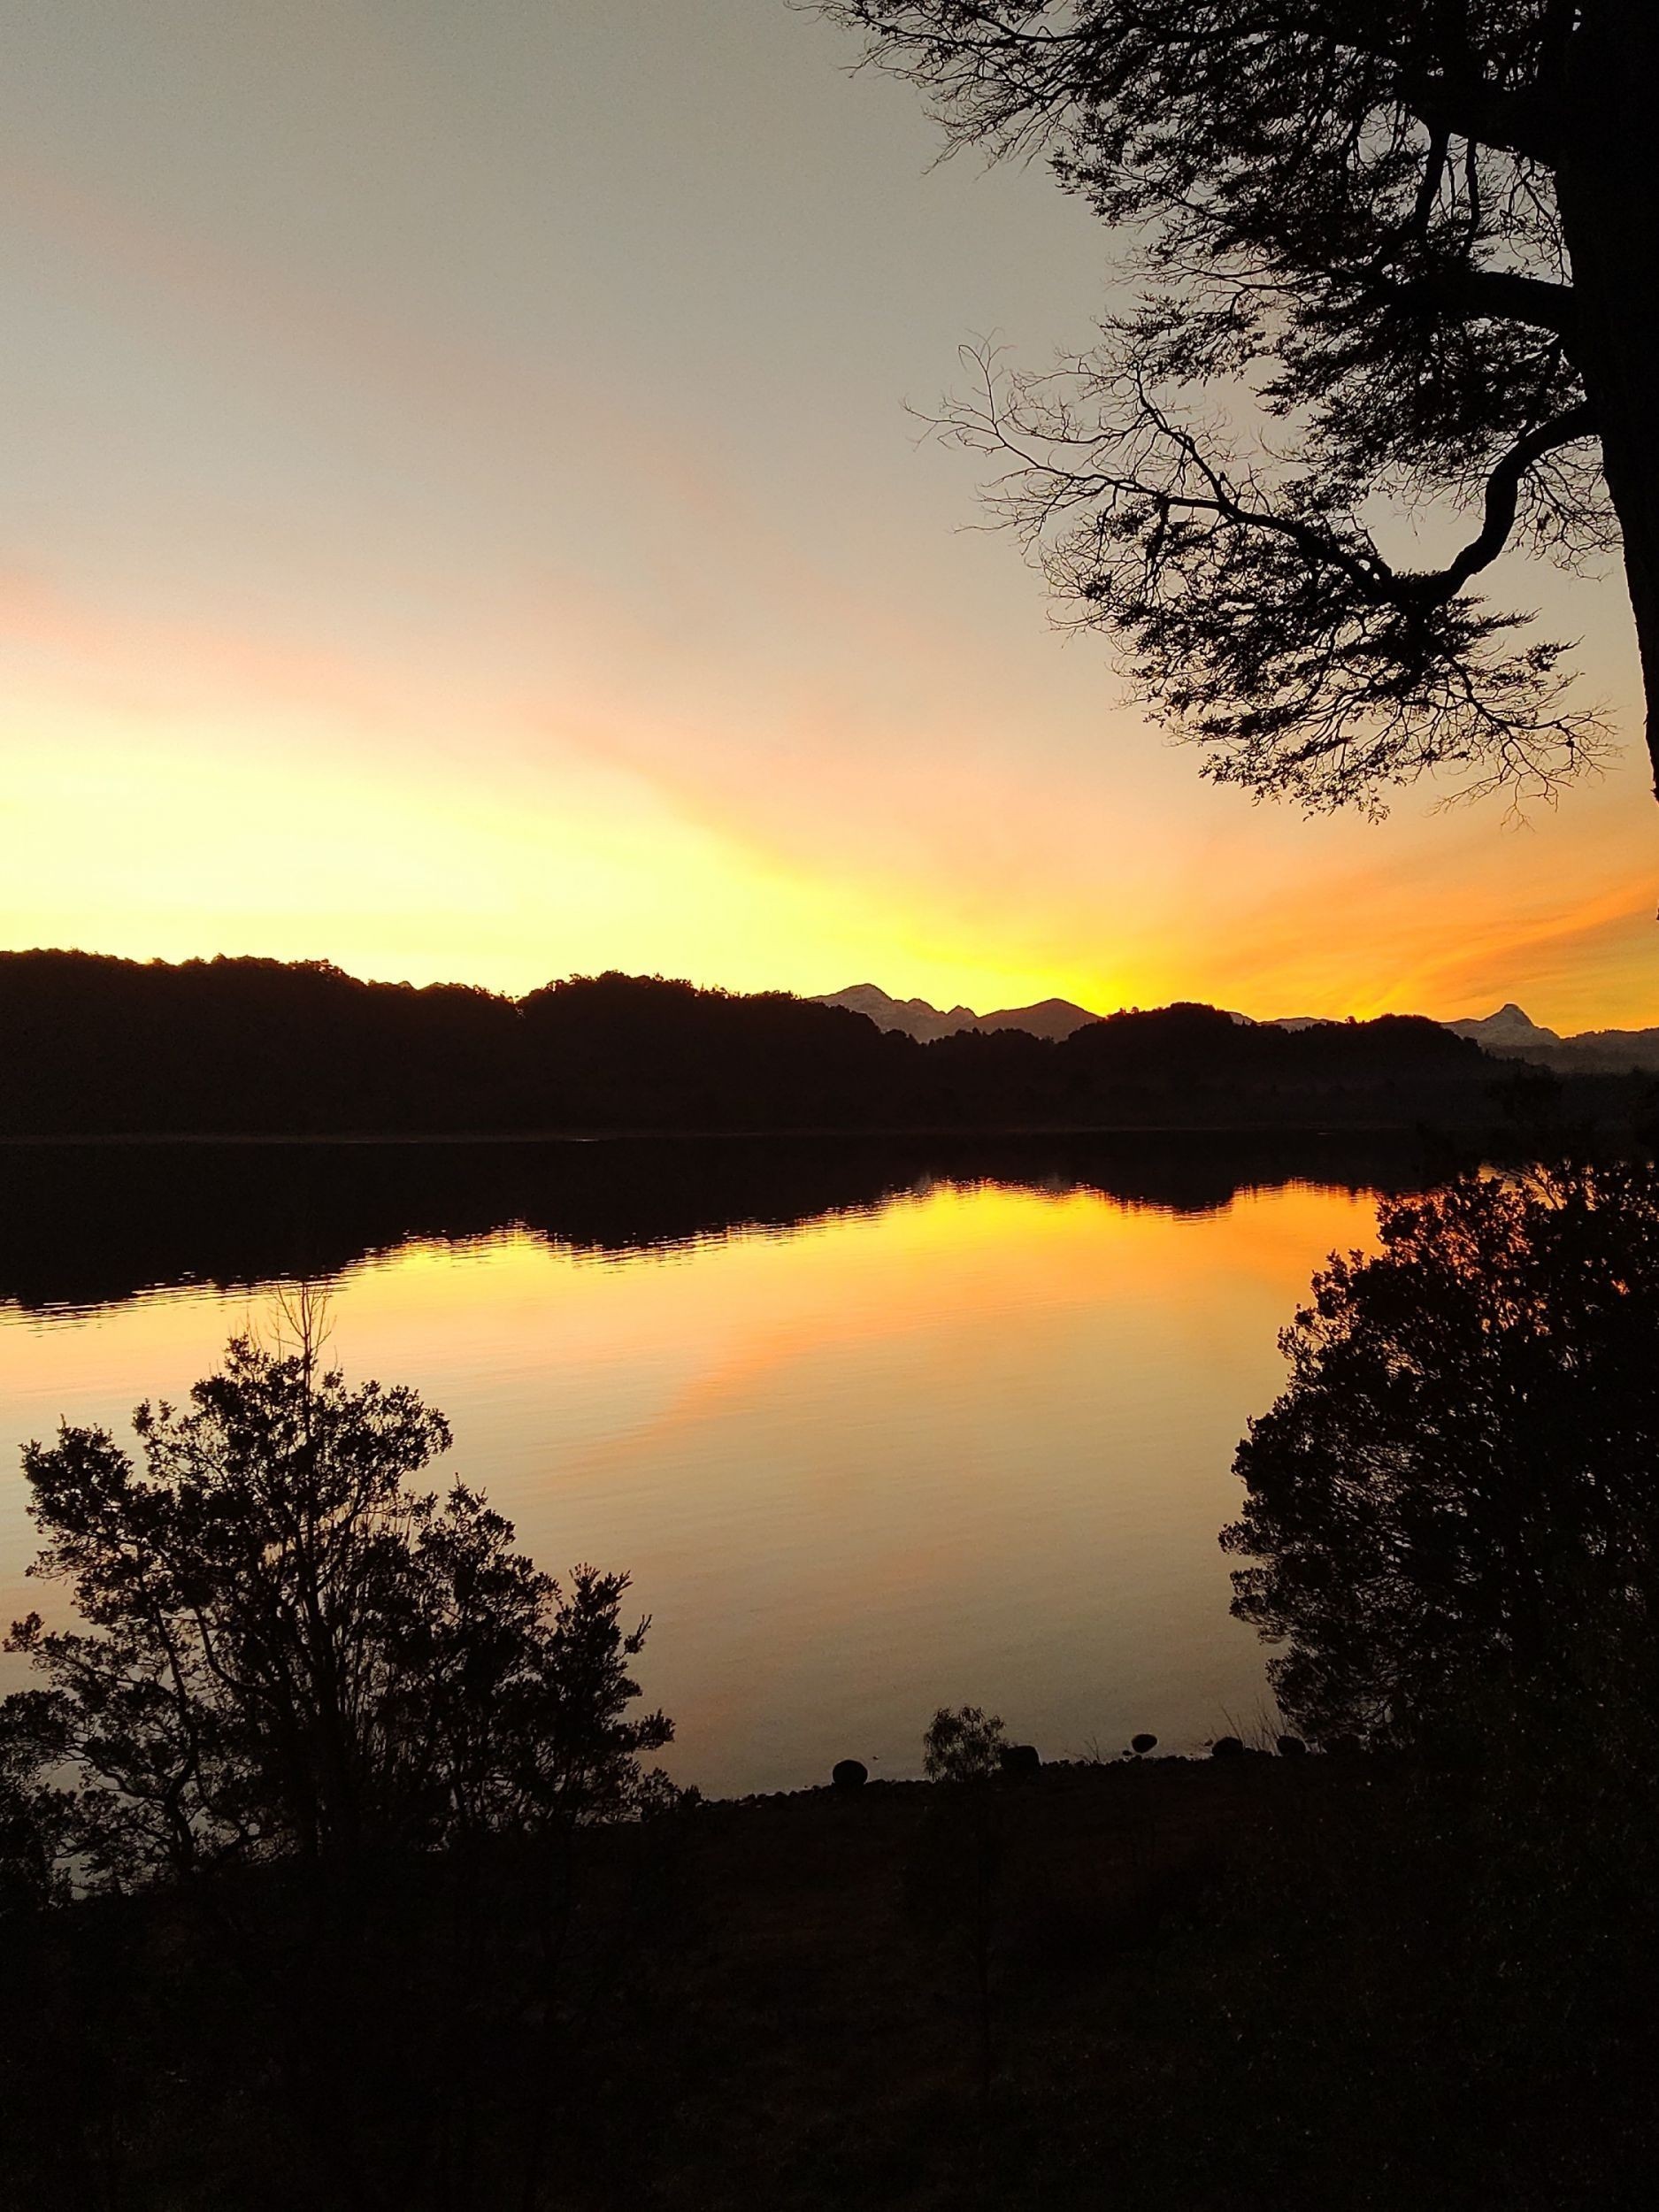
column 145, row 1139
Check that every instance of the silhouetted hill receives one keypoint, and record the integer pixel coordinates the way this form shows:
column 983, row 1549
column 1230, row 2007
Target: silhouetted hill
column 1055, row 1018
column 101, row 1047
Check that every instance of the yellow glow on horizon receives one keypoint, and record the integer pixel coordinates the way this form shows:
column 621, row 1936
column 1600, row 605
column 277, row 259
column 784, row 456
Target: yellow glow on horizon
column 381, row 588
column 174, row 793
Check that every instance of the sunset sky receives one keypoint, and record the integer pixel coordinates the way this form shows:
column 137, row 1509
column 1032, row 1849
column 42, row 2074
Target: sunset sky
column 461, row 521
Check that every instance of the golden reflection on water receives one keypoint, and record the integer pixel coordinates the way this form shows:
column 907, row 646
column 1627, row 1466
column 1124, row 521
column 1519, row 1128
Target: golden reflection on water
column 974, row 1447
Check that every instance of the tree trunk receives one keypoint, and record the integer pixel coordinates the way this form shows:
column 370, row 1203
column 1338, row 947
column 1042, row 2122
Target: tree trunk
column 1607, row 182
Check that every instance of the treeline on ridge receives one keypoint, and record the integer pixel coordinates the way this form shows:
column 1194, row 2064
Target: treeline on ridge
column 97, row 1046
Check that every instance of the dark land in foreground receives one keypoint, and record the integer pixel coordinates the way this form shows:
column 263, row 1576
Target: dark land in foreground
column 96, row 1046
column 1252, row 1982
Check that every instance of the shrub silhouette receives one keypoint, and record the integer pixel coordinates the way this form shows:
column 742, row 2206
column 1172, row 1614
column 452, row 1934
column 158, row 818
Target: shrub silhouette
column 1461, row 1466
column 963, row 1745
column 287, row 1652
column 959, row 1876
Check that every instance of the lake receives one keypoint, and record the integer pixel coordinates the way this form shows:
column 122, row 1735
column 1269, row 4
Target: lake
column 874, row 1429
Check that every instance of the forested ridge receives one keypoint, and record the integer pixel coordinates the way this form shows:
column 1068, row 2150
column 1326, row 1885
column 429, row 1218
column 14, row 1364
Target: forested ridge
column 96, row 1045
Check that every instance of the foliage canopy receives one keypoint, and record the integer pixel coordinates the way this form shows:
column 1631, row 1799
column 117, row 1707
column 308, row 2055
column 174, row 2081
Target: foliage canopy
column 1411, row 247
column 285, row 1651
column 1458, row 1478
column 964, row 1744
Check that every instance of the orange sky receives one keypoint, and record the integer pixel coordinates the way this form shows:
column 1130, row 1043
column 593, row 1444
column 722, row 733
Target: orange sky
column 461, row 522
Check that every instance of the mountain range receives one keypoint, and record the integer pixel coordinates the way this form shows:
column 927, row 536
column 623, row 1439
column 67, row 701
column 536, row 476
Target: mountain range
column 1514, row 1035
column 1510, row 1032
column 1055, row 1018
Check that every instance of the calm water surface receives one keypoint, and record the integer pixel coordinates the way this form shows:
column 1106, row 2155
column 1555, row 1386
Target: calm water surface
column 965, row 1444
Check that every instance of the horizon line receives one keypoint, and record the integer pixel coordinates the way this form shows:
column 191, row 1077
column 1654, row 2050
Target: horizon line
column 323, row 961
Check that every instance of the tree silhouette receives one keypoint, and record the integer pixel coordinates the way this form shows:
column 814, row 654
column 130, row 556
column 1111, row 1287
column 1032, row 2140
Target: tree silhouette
column 286, row 1652
column 1412, row 250
column 105, row 1047
column 1460, row 1472
column 957, row 1879
column 963, row 1745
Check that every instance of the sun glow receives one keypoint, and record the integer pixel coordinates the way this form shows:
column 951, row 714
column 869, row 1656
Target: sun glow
column 373, row 594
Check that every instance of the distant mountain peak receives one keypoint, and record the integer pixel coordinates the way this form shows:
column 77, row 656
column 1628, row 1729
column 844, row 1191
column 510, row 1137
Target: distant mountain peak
column 1511, row 1033
column 1509, row 1026
column 1052, row 1018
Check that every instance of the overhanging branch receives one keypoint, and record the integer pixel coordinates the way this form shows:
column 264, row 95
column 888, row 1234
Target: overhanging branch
column 1504, row 294
column 1503, row 501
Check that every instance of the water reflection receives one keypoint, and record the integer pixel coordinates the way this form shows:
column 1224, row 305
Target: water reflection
column 896, row 1443
column 91, row 1224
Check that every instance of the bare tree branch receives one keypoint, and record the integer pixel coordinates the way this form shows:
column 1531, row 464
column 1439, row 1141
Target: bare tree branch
column 1345, row 218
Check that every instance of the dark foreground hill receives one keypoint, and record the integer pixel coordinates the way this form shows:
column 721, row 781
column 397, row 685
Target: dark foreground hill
column 1256, row 1985
column 91, row 1046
